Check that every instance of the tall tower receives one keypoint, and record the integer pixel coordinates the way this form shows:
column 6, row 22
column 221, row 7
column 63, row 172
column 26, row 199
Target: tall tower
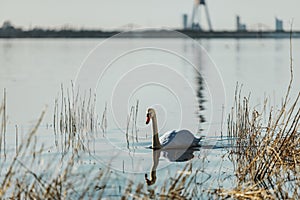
column 278, row 25
column 196, row 15
column 240, row 26
column 185, row 21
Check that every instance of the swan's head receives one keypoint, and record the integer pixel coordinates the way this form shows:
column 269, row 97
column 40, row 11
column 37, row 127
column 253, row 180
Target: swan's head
column 150, row 115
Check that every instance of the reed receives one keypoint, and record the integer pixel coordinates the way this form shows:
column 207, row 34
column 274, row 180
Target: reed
column 74, row 119
column 3, row 126
column 131, row 126
column 273, row 147
column 103, row 125
column 22, row 181
column 26, row 177
column 267, row 155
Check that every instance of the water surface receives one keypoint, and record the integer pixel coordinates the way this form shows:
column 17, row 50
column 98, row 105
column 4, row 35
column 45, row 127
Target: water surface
column 183, row 93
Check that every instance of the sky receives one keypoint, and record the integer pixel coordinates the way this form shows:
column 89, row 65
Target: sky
column 112, row 14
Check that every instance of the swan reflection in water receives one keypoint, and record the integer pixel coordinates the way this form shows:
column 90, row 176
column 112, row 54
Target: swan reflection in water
column 173, row 155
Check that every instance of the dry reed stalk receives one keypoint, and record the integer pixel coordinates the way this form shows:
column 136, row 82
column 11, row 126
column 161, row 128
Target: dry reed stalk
column 78, row 122
column 17, row 142
column 38, row 186
column 104, row 120
column 249, row 192
column 266, row 153
column 22, row 182
column 6, row 182
column 135, row 119
column 131, row 125
column 3, row 126
column 128, row 125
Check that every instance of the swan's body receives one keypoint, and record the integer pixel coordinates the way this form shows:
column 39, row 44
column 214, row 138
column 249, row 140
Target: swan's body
column 171, row 140
column 178, row 139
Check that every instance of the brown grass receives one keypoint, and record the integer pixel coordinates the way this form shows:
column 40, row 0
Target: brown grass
column 267, row 155
column 75, row 120
column 3, row 126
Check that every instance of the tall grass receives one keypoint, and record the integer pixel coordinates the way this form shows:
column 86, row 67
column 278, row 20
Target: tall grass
column 74, row 119
column 131, row 126
column 3, row 126
column 28, row 175
column 266, row 158
column 32, row 174
column 267, row 155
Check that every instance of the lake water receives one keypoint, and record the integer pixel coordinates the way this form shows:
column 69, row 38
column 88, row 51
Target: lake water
column 191, row 85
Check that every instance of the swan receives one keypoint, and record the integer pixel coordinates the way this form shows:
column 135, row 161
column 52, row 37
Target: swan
column 173, row 139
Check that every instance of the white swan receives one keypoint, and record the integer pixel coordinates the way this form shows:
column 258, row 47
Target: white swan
column 170, row 140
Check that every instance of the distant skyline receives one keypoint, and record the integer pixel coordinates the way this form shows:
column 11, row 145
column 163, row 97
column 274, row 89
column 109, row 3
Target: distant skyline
column 112, row 14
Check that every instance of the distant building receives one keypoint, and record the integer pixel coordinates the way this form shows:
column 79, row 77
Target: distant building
column 240, row 26
column 243, row 27
column 278, row 25
column 185, row 21
column 196, row 26
column 7, row 25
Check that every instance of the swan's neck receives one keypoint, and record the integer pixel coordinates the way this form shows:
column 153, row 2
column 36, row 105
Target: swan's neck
column 155, row 139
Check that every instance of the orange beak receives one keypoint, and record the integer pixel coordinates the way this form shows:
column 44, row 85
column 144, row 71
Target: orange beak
column 147, row 119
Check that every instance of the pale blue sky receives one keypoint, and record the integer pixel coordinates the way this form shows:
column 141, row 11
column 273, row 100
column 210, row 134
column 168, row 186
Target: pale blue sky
column 110, row 14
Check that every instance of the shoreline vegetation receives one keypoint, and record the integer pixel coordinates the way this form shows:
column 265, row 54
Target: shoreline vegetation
column 265, row 156
column 9, row 31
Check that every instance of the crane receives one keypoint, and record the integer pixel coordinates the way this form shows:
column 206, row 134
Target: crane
column 196, row 14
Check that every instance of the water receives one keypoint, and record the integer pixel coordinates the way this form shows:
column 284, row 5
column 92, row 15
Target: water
column 35, row 68
column 190, row 87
